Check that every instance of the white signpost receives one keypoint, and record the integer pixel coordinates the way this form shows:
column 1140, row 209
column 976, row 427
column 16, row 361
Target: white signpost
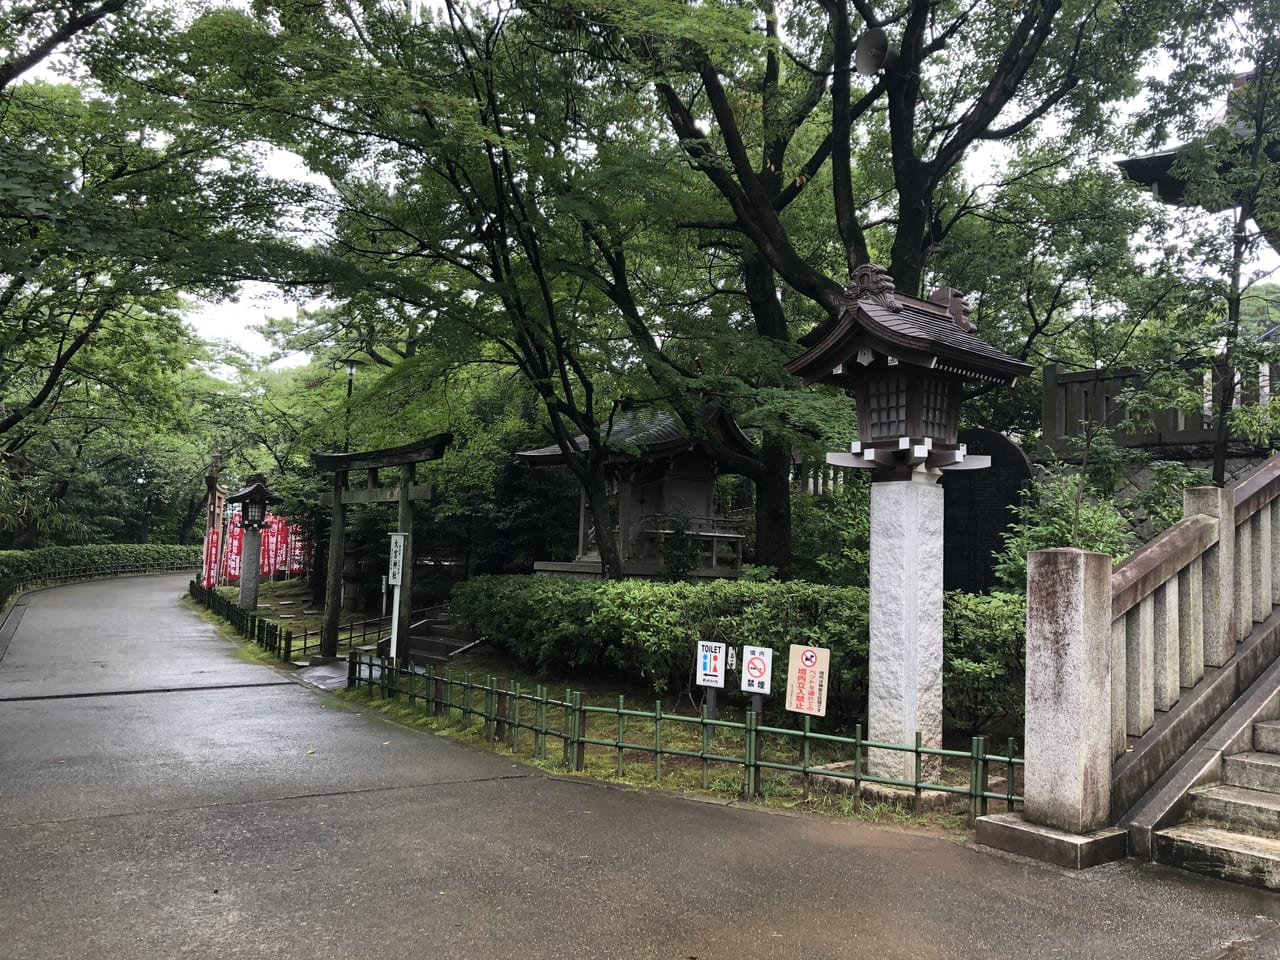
column 393, row 578
column 807, row 671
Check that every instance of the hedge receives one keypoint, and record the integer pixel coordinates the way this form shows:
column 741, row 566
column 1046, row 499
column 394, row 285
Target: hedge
column 645, row 632
column 23, row 568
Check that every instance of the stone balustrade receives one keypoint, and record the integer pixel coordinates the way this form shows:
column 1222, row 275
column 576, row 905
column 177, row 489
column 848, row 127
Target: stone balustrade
column 1115, row 656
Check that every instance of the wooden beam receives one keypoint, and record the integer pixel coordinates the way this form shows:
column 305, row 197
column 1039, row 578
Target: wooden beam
column 430, row 449
column 419, row 491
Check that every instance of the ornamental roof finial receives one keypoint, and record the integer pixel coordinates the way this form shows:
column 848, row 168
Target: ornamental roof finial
column 873, row 282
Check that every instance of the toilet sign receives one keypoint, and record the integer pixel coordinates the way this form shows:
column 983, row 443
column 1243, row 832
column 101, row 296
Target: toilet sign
column 709, row 664
column 757, row 669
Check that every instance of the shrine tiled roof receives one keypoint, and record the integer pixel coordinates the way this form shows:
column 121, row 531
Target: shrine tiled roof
column 637, row 434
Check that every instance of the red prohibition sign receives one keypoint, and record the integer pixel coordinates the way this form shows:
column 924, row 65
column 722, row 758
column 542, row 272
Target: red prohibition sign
column 755, row 667
column 808, row 658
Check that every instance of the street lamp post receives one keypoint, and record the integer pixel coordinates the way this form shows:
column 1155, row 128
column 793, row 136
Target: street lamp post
column 253, row 500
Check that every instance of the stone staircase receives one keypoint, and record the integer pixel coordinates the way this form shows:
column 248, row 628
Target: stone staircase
column 1232, row 828
column 436, row 640
column 1153, row 696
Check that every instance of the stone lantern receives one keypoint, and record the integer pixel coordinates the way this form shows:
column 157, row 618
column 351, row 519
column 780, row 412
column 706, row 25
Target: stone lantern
column 253, row 500
column 908, row 362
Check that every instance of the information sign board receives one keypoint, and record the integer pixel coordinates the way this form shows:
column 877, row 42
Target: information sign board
column 397, row 559
column 709, row 664
column 807, row 671
column 757, row 669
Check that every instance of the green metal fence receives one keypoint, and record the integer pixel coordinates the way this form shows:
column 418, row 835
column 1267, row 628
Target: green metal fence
column 506, row 709
column 265, row 633
column 281, row 642
column 355, row 633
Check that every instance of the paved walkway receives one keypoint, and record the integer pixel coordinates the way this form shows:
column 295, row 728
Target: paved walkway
column 160, row 798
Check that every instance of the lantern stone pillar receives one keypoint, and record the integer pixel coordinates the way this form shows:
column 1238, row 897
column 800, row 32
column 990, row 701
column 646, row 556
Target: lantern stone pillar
column 907, row 362
column 253, row 500
column 905, row 669
column 250, row 568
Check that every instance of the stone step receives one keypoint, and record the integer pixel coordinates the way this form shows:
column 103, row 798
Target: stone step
column 1237, row 808
column 1215, row 852
column 1266, row 736
column 425, row 658
column 1257, row 771
column 440, row 644
column 443, row 630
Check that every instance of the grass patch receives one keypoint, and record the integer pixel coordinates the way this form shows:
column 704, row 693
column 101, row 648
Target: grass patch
column 699, row 772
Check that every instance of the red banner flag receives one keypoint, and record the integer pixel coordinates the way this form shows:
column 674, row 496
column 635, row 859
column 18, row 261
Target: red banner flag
column 268, row 552
column 231, row 560
column 297, row 550
column 209, row 569
column 280, row 563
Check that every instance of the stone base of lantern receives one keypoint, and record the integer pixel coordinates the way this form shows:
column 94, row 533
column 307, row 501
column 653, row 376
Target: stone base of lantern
column 905, row 669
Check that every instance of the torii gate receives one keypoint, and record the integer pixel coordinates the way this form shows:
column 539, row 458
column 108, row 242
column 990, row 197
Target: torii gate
column 403, row 493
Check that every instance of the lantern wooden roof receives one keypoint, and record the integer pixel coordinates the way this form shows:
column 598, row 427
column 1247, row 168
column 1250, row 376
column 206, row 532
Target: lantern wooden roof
column 881, row 325
column 647, row 435
column 255, row 488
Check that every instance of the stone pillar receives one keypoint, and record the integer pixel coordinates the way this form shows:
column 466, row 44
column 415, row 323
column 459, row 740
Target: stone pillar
column 1220, row 603
column 905, row 669
column 333, row 578
column 250, row 569
column 1068, row 724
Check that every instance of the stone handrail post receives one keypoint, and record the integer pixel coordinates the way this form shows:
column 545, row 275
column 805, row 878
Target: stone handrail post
column 1222, row 617
column 1069, row 692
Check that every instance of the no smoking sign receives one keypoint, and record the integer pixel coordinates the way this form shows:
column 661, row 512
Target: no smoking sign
column 757, row 669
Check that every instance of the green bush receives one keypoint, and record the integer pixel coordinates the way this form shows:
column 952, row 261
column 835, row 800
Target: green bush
column 645, row 632
column 106, row 558
column 1061, row 511
column 984, row 674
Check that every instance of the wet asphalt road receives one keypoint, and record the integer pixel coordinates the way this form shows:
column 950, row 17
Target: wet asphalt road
column 160, row 798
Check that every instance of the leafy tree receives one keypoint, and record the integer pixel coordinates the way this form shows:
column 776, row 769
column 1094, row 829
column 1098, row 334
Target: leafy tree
column 1232, row 165
column 1061, row 510
column 507, row 221
column 762, row 98
column 30, row 32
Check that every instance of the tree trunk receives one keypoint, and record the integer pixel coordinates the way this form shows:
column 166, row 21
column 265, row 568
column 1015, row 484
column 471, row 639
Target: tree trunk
column 1227, row 377
column 195, row 510
column 318, row 569
column 773, row 485
column 907, row 255
column 773, row 506
column 602, row 516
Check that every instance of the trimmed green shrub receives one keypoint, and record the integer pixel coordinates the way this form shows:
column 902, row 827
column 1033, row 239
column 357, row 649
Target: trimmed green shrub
column 18, row 566
column 984, row 673
column 645, row 632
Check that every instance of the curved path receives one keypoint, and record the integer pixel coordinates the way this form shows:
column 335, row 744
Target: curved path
column 160, row 798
